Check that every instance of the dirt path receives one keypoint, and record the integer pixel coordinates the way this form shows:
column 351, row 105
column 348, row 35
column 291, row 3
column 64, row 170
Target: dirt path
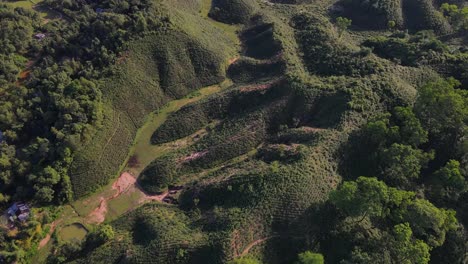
column 46, row 239
column 98, row 215
column 232, row 61
column 254, row 243
column 127, row 185
column 123, row 184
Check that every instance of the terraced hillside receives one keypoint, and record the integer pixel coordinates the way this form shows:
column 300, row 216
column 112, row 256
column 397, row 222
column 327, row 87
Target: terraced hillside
column 163, row 67
column 269, row 165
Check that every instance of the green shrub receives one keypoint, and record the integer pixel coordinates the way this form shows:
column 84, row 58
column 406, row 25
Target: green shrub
column 158, row 175
column 160, row 71
column 248, row 70
column 324, row 55
column 309, row 257
column 259, row 41
column 373, row 13
column 422, row 15
column 233, row 12
column 412, row 51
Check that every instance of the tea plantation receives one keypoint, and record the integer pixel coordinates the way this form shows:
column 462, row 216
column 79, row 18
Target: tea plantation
column 335, row 131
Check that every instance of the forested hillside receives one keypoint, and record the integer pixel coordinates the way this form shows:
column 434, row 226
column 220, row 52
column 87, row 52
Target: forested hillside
column 234, row 131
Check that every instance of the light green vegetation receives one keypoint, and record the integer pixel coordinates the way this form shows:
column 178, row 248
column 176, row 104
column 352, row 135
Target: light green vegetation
column 35, row 5
column 200, row 65
column 142, row 147
column 123, row 204
column 145, row 153
column 263, row 155
column 69, row 222
column 230, row 30
column 205, row 7
column 24, row 4
column 75, row 231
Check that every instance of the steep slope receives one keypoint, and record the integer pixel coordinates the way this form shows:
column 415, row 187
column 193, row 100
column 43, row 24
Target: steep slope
column 376, row 14
column 264, row 154
column 152, row 72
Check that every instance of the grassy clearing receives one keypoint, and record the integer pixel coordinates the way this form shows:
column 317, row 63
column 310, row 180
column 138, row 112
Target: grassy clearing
column 230, row 30
column 155, row 70
column 74, row 231
column 98, row 161
column 73, row 220
column 44, row 13
column 162, row 73
column 142, row 148
column 123, row 204
column 85, row 206
column 24, row 4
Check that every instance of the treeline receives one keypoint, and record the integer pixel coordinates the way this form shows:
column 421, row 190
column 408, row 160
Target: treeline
column 325, row 55
column 50, row 100
column 443, row 17
column 405, row 198
column 422, row 49
column 55, row 105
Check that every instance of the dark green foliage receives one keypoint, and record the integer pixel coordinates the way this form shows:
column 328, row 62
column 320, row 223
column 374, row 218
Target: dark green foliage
column 412, row 226
column 240, row 191
column 429, row 222
column 406, row 248
column 325, row 55
column 402, row 164
column 182, row 72
column 448, row 182
column 422, row 14
column 328, row 110
column 247, row 70
column 189, row 119
column 420, row 49
column 229, row 140
column 453, row 250
column 414, row 15
column 458, row 16
column 365, row 197
column 411, row 51
column 373, row 14
column 443, row 111
column 397, row 150
column 231, row 103
column 158, row 175
column 10, row 66
column 17, row 28
column 154, row 234
column 101, row 235
column 389, row 148
column 410, row 128
column 68, row 250
column 298, row 135
column 260, row 42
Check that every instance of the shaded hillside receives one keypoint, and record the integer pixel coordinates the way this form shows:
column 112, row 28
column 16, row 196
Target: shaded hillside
column 161, row 72
column 338, row 140
column 376, row 14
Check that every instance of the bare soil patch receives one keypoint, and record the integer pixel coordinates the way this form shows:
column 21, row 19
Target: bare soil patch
column 46, row 239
